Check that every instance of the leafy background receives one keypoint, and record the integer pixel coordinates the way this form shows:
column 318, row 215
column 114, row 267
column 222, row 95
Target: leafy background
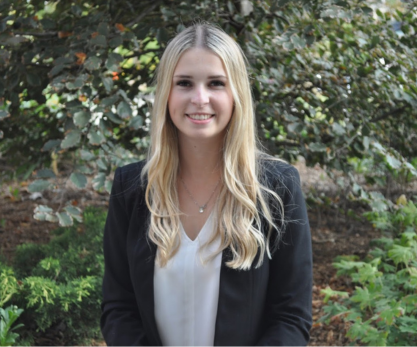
column 334, row 82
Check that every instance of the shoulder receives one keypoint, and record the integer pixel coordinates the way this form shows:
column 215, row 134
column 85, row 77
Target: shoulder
column 130, row 171
column 127, row 179
column 275, row 172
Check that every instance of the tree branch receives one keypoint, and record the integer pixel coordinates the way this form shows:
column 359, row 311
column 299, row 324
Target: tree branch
column 287, row 143
column 389, row 114
column 37, row 34
column 144, row 13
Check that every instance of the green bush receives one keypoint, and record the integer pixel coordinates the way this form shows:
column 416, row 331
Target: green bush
column 382, row 309
column 59, row 284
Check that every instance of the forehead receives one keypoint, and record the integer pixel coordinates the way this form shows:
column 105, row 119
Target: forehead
column 199, row 61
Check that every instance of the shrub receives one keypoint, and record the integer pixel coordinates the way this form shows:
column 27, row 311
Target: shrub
column 63, row 286
column 382, row 309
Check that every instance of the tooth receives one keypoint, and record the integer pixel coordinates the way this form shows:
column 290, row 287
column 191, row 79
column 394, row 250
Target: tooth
column 199, row 116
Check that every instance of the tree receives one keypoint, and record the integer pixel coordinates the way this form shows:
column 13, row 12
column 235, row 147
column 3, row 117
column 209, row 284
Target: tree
column 333, row 80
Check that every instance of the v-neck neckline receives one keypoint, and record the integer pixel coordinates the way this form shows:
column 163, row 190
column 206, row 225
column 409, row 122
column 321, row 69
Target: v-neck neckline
column 202, row 231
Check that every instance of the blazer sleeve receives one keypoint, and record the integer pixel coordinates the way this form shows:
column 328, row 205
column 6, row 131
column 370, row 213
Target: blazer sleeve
column 289, row 294
column 120, row 322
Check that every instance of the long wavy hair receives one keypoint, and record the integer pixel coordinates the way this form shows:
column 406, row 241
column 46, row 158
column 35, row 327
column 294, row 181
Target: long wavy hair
column 244, row 205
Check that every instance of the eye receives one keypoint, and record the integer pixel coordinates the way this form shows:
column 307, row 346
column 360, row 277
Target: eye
column 217, row 83
column 183, row 83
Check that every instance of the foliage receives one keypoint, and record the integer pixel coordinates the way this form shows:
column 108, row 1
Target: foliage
column 382, row 309
column 8, row 317
column 332, row 79
column 59, row 284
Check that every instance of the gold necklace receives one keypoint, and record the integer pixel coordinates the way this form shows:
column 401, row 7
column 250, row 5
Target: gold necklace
column 203, row 207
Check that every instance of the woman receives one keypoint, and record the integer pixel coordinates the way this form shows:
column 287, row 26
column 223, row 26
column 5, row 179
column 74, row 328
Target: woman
column 207, row 241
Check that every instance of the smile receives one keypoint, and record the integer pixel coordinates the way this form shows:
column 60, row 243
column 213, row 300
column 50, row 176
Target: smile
column 199, row 116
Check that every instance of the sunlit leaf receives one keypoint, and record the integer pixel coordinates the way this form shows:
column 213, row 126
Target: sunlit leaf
column 64, row 219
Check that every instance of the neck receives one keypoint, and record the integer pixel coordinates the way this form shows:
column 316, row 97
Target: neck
column 200, row 161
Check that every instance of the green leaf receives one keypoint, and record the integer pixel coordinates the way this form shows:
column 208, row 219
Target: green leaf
column 317, row 147
column 86, row 155
column 394, row 163
column 45, row 173
column 113, row 62
column 33, row 79
column 330, row 293
column 50, row 7
column 98, row 181
column 99, row 40
column 378, row 205
column 80, row 81
column 82, row 118
column 71, row 139
column 103, row 164
column 366, row 142
column 298, row 42
column 103, row 29
column 162, row 35
column 108, row 83
column 136, row 123
column 108, row 185
column 288, row 46
column 50, row 144
column 78, row 179
column 363, row 297
column 116, row 42
column 295, row 127
column 38, row 186
column 113, row 117
column 388, row 315
column 338, row 129
column 124, row 110
column 64, row 219
column 95, row 137
column 400, row 254
column 110, row 100
column 44, row 213
column 4, row 114
column 92, row 63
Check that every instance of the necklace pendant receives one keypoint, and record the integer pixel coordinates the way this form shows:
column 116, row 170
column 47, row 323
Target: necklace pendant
column 201, row 209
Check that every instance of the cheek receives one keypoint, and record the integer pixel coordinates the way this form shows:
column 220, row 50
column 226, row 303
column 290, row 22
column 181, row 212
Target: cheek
column 171, row 104
column 174, row 102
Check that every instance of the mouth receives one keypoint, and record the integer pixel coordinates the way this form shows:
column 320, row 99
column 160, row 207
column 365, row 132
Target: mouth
column 199, row 116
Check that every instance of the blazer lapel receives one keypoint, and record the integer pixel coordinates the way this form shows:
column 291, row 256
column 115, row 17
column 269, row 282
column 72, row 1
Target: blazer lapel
column 233, row 327
column 142, row 275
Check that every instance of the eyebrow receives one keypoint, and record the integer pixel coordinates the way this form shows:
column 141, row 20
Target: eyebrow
column 210, row 77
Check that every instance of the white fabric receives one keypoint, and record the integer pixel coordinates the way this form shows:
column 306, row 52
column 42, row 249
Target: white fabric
column 187, row 292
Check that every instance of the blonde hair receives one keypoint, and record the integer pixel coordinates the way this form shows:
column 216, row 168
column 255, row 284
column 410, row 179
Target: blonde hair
column 243, row 200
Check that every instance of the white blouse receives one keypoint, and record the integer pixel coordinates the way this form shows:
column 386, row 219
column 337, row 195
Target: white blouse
column 187, row 291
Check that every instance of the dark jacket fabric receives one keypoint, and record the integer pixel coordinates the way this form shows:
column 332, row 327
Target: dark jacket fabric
column 269, row 305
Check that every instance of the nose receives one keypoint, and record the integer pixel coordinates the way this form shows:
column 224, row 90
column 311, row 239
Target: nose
column 200, row 96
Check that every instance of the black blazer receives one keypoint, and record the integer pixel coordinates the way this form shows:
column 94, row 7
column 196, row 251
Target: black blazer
column 270, row 305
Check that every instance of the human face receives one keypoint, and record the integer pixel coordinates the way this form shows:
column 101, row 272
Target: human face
column 200, row 103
